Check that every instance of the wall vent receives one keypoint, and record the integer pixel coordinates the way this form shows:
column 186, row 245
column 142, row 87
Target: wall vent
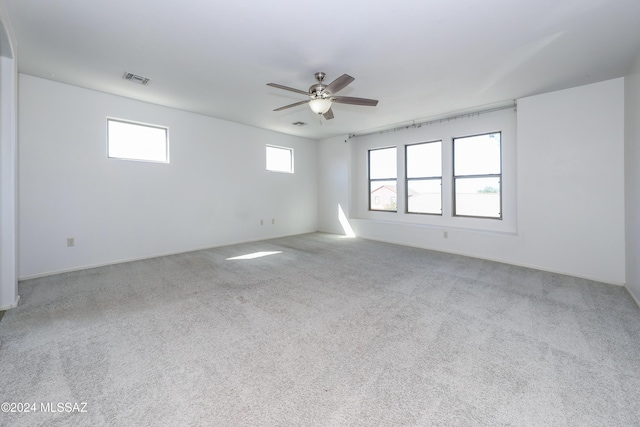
column 135, row 78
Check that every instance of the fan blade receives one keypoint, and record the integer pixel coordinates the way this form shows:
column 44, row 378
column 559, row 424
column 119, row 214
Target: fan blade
column 338, row 84
column 329, row 114
column 355, row 101
column 295, row 104
column 302, row 92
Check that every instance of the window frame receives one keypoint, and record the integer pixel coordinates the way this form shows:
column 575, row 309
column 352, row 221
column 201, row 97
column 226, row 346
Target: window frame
column 425, row 178
column 291, row 158
column 456, row 177
column 370, row 180
column 141, row 124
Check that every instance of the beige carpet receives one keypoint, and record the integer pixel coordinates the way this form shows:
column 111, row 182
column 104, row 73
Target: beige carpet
column 324, row 331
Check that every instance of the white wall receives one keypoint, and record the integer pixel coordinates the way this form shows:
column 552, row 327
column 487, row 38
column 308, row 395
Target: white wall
column 632, row 181
column 569, row 198
column 8, row 166
column 571, row 181
column 333, row 174
column 569, row 186
column 214, row 192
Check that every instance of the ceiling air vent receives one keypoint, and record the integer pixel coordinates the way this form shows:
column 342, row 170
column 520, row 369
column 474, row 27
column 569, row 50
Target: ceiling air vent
column 299, row 123
column 135, row 78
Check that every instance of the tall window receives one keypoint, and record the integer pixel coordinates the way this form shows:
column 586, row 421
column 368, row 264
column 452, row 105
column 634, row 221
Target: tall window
column 279, row 159
column 135, row 141
column 383, row 192
column 477, row 176
column 424, row 178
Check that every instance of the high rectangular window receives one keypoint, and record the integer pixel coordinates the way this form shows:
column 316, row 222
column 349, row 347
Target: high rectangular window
column 136, row 141
column 477, row 176
column 383, row 173
column 424, row 177
column 279, row 159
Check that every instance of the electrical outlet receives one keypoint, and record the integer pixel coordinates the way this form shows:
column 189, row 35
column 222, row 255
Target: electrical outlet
column 273, row 220
column 71, row 241
column 261, row 222
column 446, row 235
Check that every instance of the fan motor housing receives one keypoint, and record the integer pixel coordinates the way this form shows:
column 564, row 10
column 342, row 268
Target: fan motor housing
column 315, row 91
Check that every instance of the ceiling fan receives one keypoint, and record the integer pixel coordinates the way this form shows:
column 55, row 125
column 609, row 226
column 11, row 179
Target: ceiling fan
column 321, row 96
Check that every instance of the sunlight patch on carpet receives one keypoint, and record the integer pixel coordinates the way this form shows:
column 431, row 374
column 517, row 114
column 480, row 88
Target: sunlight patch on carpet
column 255, row 255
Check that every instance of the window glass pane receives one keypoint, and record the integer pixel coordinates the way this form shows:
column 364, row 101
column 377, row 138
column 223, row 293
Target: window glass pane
column 424, row 160
column 424, row 196
column 133, row 141
column 477, row 155
column 384, row 195
column 383, row 163
column 279, row 159
column 478, row 197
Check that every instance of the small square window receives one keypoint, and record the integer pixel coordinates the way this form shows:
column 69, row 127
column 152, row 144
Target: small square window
column 279, row 159
column 135, row 141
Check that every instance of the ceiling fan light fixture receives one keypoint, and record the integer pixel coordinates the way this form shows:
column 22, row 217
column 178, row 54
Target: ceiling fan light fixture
column 321, row 96
column 320, row 105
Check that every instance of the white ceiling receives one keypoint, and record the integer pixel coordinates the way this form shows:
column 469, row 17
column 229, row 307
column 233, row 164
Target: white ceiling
column 421, row 59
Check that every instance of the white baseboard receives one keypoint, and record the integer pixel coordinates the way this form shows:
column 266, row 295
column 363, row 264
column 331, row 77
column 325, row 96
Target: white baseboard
column 499, row 260
column 633, row 297
column 150, row 256
column 10, row 306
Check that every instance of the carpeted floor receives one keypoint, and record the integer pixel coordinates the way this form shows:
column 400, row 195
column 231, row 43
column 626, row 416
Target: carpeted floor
column 324, row 331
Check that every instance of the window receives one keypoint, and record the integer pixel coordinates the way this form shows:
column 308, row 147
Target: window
column 424, row 177
column 136, row 141
column 279, row 159
column 477, row 176
column 382, row 179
